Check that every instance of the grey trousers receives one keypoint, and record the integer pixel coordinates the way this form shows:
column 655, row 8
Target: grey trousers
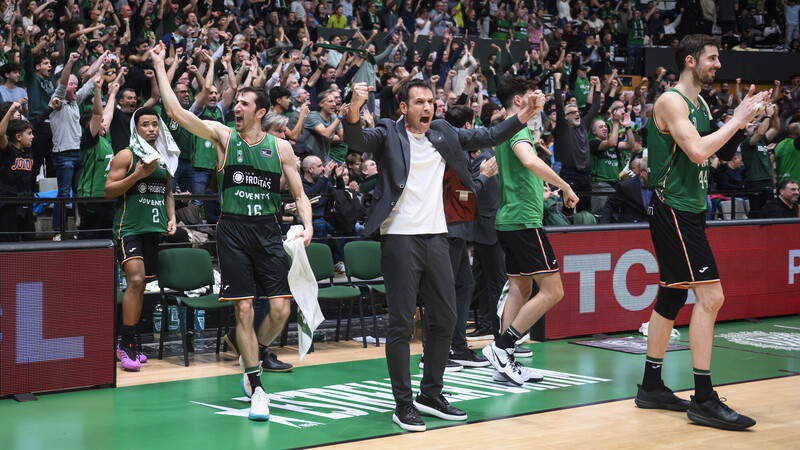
column 411, row 265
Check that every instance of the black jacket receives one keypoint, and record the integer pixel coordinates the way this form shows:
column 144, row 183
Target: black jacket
column 488, row 202
column 626, row 204
column 389, row 144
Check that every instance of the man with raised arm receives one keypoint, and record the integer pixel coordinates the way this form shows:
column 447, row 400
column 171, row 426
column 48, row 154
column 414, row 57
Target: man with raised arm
column 680, row 141
column 249, row 167
column 408, row 210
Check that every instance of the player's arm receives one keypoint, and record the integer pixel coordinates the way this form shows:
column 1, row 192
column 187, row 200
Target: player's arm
column 480, row 138
column 118, row 181
column 672, row 114
column 292, row 176
column 209, row 130
column 523, row 150
column 169, row 205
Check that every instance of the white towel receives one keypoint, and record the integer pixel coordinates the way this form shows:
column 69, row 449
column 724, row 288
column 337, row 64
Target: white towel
column 304, row 288
column 501, row 302
column 166, row 151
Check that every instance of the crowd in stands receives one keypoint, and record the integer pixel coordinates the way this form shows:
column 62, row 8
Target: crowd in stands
column 74, row 72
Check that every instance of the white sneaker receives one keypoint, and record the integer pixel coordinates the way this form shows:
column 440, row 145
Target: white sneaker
column 339, row 267
column 528, row 374
column 504, row 362
column 259, row 405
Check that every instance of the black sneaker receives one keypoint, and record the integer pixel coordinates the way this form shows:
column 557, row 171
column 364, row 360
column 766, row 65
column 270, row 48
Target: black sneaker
column 715, row 413
column 230, row 340
column 480, row 333
column 659, row 398
column 407, row 417
column 522, row 352
column 271, row 363
column 469, row 359
column 450, row 367
column 439, row 407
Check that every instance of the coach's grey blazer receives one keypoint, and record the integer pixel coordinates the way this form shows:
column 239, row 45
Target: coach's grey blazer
column 388, row 141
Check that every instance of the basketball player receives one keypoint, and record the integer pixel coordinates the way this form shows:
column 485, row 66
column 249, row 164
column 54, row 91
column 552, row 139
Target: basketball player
column 680, row 141
column 145, row 208
column 529, row 255
column 249, row 167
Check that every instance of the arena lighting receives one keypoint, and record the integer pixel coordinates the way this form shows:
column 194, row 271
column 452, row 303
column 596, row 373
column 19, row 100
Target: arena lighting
column 57, row 311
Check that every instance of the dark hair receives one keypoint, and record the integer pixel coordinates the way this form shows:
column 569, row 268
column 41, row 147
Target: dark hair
column 782, row 184
column 692, row 45
column 39, row 57
column 511, row 87
column 124, row 90
column 143, row 111
column 4, row 107
column 387, row 76
column 86, row 117
column 459, row 115
column 402, row 95
column 262, row 100
column 17, row 126
column 277, row 93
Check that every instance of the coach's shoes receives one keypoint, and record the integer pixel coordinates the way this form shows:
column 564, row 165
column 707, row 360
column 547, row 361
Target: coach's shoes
column 127, row 358
column 715, row 413
column 407, row 417
column 522, row 352
column 528, row 374
column 659, row 398
column 438, row 407
column 259, row 405
column 468, row 359
column 504, row 362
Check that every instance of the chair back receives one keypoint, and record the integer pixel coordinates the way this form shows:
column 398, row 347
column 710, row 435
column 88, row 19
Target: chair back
column 321, row 260
column 184, row 269
column 363, row 260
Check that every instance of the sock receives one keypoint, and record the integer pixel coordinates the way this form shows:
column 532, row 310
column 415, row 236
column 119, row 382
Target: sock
column 127, row 335
column 652, row 373
column 702, row 385
column 252, row 375
column 508, row 339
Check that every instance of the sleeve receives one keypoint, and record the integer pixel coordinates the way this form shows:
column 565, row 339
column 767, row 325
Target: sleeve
column 594, row 146
column 60, row 92
column 84, row 91
column 524, row 135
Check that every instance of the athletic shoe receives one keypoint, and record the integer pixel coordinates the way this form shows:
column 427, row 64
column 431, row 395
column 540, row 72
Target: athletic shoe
column 715, row 413
column 127, row 357
column 247, row 389
column 528, row 374
column 271, row 363
column 522, row 340
column 407, row 417
column 230, row 340
column 439, row 407
column 522, row 352
column 469, row 359
column 504, row 362
column 450, row 367
column 659, row 398
column 480, row 333
column 141, row 357
column 259, row 405
column 339, row 267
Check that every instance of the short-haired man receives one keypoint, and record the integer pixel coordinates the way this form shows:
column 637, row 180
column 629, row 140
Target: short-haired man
column 787, row 154
column 413, row 153
column 680, row 141
column 145, row 209
column 786, row 203
column 16, row 176
column 322, row 128
column 248, row 236
column 528, row 253
column 758, row 162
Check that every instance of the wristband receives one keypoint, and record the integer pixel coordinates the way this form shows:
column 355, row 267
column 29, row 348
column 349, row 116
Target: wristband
column 339, row 117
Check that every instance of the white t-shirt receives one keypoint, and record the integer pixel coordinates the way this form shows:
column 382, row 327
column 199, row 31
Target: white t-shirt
column 423, row 30
column 420, row 209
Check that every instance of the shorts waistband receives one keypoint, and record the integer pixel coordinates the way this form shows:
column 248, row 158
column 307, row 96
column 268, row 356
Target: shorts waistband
column 268, row 218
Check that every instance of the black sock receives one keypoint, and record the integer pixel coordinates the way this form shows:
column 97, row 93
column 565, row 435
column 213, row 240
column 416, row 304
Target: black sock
column 252, row 376
column 127, row 335
column 508, row 339
column 702, row 385
column 652, row 373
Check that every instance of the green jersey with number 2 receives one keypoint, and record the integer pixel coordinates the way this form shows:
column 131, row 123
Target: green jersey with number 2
column 142, row 208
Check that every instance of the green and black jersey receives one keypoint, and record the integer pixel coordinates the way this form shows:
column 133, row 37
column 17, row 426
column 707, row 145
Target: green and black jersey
column 142, row 208
column 678, row 182
column 521, row 192
column 250, row 177
column 96, row 156
column 757, row 163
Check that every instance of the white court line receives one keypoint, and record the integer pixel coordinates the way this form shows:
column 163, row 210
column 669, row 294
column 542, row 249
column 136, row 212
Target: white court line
column 784, row 326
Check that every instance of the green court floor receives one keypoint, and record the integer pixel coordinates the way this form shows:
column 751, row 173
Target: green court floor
column 348, row 401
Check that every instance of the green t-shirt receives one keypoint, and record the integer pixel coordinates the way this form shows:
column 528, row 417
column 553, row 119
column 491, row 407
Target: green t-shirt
column 581, row 91
column 142, row 208
column 787, row 160
column 678, row 181
column 521, row 31
column 521, row 192
column 500, row 30
column 204, row 155
column 604, row 163
column 96, row 161
column 249, row 181
column 757, row 165
column 338, row 152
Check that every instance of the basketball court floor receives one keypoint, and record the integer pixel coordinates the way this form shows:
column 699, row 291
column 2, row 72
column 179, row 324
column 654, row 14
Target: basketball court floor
column 340, row 395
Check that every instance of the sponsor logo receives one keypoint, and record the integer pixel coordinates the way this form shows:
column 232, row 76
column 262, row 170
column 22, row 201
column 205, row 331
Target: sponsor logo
column 311, row 407
column 239, row 154
column 266, row 152
column 238, row 177
column 703, row 269
column 761, row 339
column 131, row 249
column 142, row 188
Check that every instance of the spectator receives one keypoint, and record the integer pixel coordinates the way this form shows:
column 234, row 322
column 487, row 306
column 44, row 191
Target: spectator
column 730, row 177
column 571, row 144
column 636, row 33
column 758, row 171
column 441, row 20
column 787, row 155
column 785, row 205
column 16, row 176
column 321, row 128
column 369, row 176
column 631, row 197
column 791, row 9
column 605, row 159
column 9, row 91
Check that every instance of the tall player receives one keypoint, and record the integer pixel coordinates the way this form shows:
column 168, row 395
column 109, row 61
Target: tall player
column 249, row 167
column 680, row 141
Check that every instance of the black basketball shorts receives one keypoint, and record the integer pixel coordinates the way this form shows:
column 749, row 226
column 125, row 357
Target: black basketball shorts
column 528, row 252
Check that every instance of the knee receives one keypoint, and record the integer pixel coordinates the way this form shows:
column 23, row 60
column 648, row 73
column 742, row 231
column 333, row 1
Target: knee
column 244, row 313
column 279, row 310
column 136, row 282
column 712, row 303
column 402, row 327
column 556, row 294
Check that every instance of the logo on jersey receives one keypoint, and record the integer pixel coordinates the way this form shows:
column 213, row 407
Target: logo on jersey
column 249, row 176
column 239, row 155
column 266, row 152
column 142, row 188
column 173, row 125
column 238, row 177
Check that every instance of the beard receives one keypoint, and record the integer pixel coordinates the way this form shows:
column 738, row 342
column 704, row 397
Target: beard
column 701, row 77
